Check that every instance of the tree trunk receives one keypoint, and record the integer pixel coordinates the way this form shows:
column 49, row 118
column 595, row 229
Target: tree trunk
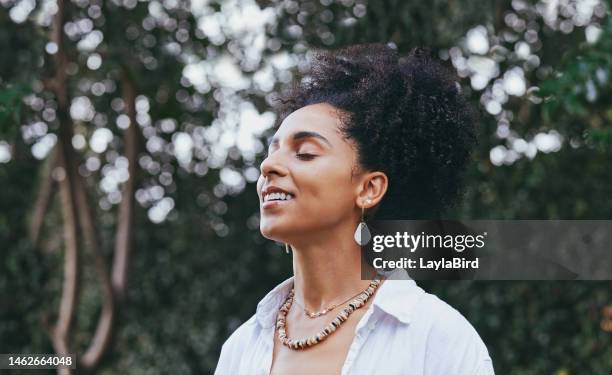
column 60, row 333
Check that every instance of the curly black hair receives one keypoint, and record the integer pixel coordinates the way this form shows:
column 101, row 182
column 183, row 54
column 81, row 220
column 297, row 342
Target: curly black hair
column 407, row 117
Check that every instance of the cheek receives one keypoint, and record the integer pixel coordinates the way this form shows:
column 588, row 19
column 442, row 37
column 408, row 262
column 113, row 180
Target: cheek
column 327, row 192
column 259, row 185
column 325, row 196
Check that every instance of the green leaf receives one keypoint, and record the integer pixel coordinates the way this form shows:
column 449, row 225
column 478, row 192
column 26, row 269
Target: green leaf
column 10, row 108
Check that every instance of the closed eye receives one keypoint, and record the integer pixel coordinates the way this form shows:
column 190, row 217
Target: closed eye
column 305, row 156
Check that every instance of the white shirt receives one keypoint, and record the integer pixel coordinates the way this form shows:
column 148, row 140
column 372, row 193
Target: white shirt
column 404, row 331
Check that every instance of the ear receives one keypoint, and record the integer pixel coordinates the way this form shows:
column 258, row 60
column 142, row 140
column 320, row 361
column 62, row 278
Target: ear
column 372, row 188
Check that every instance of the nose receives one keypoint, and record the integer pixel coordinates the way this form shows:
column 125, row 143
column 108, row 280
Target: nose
column 272, row 164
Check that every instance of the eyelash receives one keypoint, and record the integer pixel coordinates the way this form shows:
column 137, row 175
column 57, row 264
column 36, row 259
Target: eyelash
column 305, row 156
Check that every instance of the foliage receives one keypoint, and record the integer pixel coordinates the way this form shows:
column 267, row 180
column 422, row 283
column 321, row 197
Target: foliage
column 10, row 105
column 205, row 75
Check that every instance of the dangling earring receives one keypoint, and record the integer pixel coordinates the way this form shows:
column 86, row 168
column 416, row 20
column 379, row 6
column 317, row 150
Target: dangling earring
column 287, row 248
column 362, row 233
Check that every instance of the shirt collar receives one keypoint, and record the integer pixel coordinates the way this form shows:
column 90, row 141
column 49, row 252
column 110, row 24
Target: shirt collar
column 397, row 297
column 268, row 307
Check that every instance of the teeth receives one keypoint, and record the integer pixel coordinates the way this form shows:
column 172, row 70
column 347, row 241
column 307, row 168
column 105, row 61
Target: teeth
column 278, row 196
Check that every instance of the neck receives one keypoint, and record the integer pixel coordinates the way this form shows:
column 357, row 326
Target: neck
column 327, row 268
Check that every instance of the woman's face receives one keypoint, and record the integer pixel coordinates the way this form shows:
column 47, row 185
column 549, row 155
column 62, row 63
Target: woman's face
column 308, row 170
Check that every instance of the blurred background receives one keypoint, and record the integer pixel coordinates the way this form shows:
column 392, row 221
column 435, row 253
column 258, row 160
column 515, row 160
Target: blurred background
column 130, row 138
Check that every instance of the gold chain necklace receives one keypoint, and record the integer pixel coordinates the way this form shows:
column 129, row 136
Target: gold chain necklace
column 281, row 320
column 317, row 314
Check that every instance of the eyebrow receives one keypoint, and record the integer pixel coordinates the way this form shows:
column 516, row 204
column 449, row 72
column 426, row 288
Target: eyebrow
column 302, row 135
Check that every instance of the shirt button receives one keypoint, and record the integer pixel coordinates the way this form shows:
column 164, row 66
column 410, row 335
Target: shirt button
column 371, row 326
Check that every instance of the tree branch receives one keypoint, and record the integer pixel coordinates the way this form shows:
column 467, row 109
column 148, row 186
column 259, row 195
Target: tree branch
column 125, row 223
column 62, row 328
column 46, row 191
column 90, row 359
column 61, row 331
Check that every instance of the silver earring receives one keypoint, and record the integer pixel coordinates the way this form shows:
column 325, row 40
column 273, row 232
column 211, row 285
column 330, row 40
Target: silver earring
column 362, row 233
column 287, row 248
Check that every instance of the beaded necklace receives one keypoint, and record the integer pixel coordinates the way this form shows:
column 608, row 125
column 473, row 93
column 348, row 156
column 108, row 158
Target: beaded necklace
column 281, row 320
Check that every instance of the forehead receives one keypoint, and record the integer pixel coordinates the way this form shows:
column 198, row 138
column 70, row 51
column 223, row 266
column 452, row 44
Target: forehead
column 321, row 118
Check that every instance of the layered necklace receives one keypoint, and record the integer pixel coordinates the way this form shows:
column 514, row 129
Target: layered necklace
column 357, row 302
column 316, row 314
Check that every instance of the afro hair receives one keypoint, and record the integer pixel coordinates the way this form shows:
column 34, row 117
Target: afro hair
column 407, row 117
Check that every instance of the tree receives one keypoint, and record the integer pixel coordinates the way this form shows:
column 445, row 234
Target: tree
column 149, row 119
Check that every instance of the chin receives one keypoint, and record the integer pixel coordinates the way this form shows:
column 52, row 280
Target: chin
column 269, row 232
column 274, row 231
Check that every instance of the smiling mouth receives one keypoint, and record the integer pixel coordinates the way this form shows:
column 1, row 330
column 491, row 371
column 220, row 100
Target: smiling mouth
column 276, row 200
column 277, row 197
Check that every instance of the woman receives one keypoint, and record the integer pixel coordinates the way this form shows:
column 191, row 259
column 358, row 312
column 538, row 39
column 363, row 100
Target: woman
column 367, row 133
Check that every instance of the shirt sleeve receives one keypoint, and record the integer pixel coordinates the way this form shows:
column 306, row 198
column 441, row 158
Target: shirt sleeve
column 453, row 345
column 486, row 367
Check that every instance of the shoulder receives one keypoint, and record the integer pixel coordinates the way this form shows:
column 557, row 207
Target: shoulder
column 452, row 344
column 443, row 318
column 239, row 347
column 234, row 347
column 241, row 336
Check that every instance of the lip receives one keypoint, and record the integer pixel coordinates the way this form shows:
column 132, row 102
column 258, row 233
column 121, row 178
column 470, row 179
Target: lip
column 273, row 189
column 274, row 204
